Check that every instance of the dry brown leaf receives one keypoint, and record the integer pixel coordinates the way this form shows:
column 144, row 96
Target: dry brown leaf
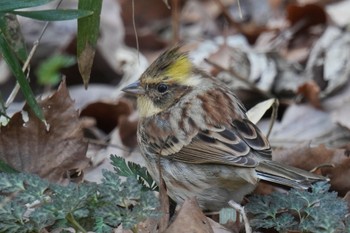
column 303, row 156
column 190, row 219
column 339, row 175
column 106, row 113
column 308, row 15
column 311, row 91
column 308, row 158
column 28, row 146
column 127, row 131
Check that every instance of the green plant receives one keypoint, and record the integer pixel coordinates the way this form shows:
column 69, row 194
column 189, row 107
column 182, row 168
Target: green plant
column 125, row 168
column 48, row 72
column 13, row 49
column 300, row 210
column 31, row 204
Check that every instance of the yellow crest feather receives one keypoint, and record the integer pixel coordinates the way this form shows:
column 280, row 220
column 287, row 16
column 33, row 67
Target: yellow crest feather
column 180, row 69
column 172, row 66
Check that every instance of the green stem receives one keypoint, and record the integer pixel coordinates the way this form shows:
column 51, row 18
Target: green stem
column 70, row 218
column 135, row 229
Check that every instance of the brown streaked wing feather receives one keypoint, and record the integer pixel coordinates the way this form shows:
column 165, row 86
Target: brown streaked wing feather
column 252, row 135
column 218, row 145
column 212, row 147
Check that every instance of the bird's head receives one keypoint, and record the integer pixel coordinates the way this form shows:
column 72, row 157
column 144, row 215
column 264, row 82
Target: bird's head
column 164, row 82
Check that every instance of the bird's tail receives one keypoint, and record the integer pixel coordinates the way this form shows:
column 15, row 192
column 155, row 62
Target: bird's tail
column 286, row 175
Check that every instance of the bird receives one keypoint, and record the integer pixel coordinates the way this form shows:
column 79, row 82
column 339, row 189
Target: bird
column 195, row 129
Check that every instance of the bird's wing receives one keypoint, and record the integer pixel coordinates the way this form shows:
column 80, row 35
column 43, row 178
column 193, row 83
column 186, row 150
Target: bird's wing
column 221, row 145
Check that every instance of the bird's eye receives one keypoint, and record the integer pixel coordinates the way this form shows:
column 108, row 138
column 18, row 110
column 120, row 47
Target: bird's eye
column 162, row 88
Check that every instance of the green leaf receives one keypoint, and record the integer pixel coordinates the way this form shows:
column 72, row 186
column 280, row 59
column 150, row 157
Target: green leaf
column 85, row 206
column 54, row 15
column 48, row 71
column 16, row 69
column 4, row 167
column 299, row 210
column 10, row 28
column 130, row 169
column 88, row 30
column 8, row 5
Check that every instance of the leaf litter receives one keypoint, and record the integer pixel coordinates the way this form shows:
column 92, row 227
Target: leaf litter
column 301, row 63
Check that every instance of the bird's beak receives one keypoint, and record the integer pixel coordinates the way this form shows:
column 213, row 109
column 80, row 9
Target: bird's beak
column 134, row 89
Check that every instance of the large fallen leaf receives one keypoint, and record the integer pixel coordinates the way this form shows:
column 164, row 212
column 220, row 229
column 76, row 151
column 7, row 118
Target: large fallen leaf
column 28, row 146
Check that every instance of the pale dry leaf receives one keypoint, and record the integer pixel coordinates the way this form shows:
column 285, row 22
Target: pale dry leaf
column 341, row 115
column 328, row 63
column 256, row 113
column 290, row 75
column 339, row 12
column 218, row 228
column 300, row 123
column 28, row 146
column 190, row 219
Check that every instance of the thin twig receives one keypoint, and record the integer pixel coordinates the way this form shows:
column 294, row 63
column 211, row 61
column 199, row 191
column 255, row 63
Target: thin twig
column 106, row 144
column 163, row 196
column 175, row 21
column 240, row 9
column 135, row 30
column 273, row 117
column 36, row 43
column 239, row 77
column 240, row 209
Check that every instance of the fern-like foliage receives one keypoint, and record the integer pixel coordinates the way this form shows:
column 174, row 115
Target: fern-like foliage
column 127, row 169
column 301, row 211
column 31, row 204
